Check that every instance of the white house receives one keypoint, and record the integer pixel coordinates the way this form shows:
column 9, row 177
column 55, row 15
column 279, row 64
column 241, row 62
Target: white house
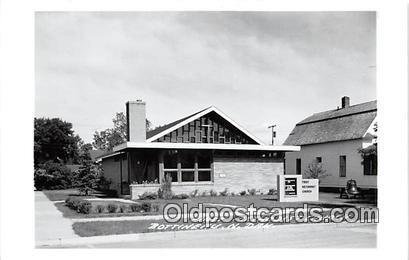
column 334, row 138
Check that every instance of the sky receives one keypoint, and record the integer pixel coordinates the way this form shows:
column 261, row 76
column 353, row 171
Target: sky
column 259, row 68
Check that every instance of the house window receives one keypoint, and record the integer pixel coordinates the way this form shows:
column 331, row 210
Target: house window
column 204, row 175
column 188, row 166
column 342, row 166
column 370, row 165
column 172, row 174
column 318, row 159
column 298, row 166
column 188, row 176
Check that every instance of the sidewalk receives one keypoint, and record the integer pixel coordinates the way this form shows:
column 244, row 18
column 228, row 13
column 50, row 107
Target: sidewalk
column 342, row 235
column 49, row 222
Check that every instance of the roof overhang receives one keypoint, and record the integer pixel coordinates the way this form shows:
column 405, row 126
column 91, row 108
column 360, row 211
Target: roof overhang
column 248, row 147
column 100, row 158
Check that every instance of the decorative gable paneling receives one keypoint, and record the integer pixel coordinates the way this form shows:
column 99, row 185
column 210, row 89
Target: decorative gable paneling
column 210, row 128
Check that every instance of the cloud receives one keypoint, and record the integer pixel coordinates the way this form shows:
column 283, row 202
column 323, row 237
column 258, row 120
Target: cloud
column 258, row 67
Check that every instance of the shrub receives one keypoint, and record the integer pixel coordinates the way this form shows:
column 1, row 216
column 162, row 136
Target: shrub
column 242, row 193
column 122, row 208
column 135, row 207
column 73, row 202
column 112, row 208
column 88, row 177
column 252, row 192
column 146, row 206
column 160, row 193
column 181, row 196
column 155, row 208
column 194, row 193
column 51, row 176
column 100, row 208
column 213, row 193
column 272, row 192
column 84, row 207
column 224, row 193
column 315, row 171
column 148, row 196
column 232, row 194
column 204, row 194
column 165, row 190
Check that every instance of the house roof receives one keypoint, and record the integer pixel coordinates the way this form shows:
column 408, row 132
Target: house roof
column 163, row 130
column 95, row 154
column 334, row 125
column 160, row 129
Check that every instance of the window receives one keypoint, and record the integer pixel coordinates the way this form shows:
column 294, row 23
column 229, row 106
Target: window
column 188, row 176
column 204, row 175
column 173, row 175
column 298, row 166
column 370, row 165
column 188, row 166
column 342, row 166
column 318, row 159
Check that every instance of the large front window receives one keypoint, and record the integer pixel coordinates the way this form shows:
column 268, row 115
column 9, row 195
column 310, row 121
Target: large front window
column 188, row 166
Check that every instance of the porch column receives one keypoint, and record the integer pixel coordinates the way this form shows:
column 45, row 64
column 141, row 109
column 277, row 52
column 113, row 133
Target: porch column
column 196, row 165
column 161, row 167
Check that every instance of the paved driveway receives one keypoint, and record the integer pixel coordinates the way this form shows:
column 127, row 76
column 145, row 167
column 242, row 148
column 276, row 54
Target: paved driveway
column 49, row 222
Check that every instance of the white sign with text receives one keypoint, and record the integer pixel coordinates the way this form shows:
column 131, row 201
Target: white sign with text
column 293, row 188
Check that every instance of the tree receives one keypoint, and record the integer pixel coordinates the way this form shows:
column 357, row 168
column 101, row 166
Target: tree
column 111, row 137
column 89, row 176
column 52, row 175
column 54, row 139
column 315, row 171
column 371, row 150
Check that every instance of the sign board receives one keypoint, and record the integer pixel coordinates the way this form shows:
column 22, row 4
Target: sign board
column 293, row 188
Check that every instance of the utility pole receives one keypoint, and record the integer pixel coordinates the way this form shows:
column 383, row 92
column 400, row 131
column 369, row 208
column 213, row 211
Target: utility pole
column 273, row 133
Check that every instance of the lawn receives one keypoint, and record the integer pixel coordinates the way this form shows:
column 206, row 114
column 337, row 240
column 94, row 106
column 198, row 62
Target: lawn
column 103, row 228
column 100, row 228
column 268, row 201
column 57, row 195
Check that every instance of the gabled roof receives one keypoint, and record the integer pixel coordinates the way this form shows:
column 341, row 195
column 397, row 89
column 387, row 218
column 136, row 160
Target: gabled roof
column 163, row 130
column 334, row 125
column 160, row 129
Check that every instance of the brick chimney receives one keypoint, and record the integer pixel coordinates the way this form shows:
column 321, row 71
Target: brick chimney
column 345, row 102
column 136, row 121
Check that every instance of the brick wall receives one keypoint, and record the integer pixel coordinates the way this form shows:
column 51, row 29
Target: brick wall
column 242, row 174
column 234, row 174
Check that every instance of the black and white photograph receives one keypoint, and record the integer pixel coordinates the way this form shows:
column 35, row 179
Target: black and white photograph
column 222, row 129
column 194, row 124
